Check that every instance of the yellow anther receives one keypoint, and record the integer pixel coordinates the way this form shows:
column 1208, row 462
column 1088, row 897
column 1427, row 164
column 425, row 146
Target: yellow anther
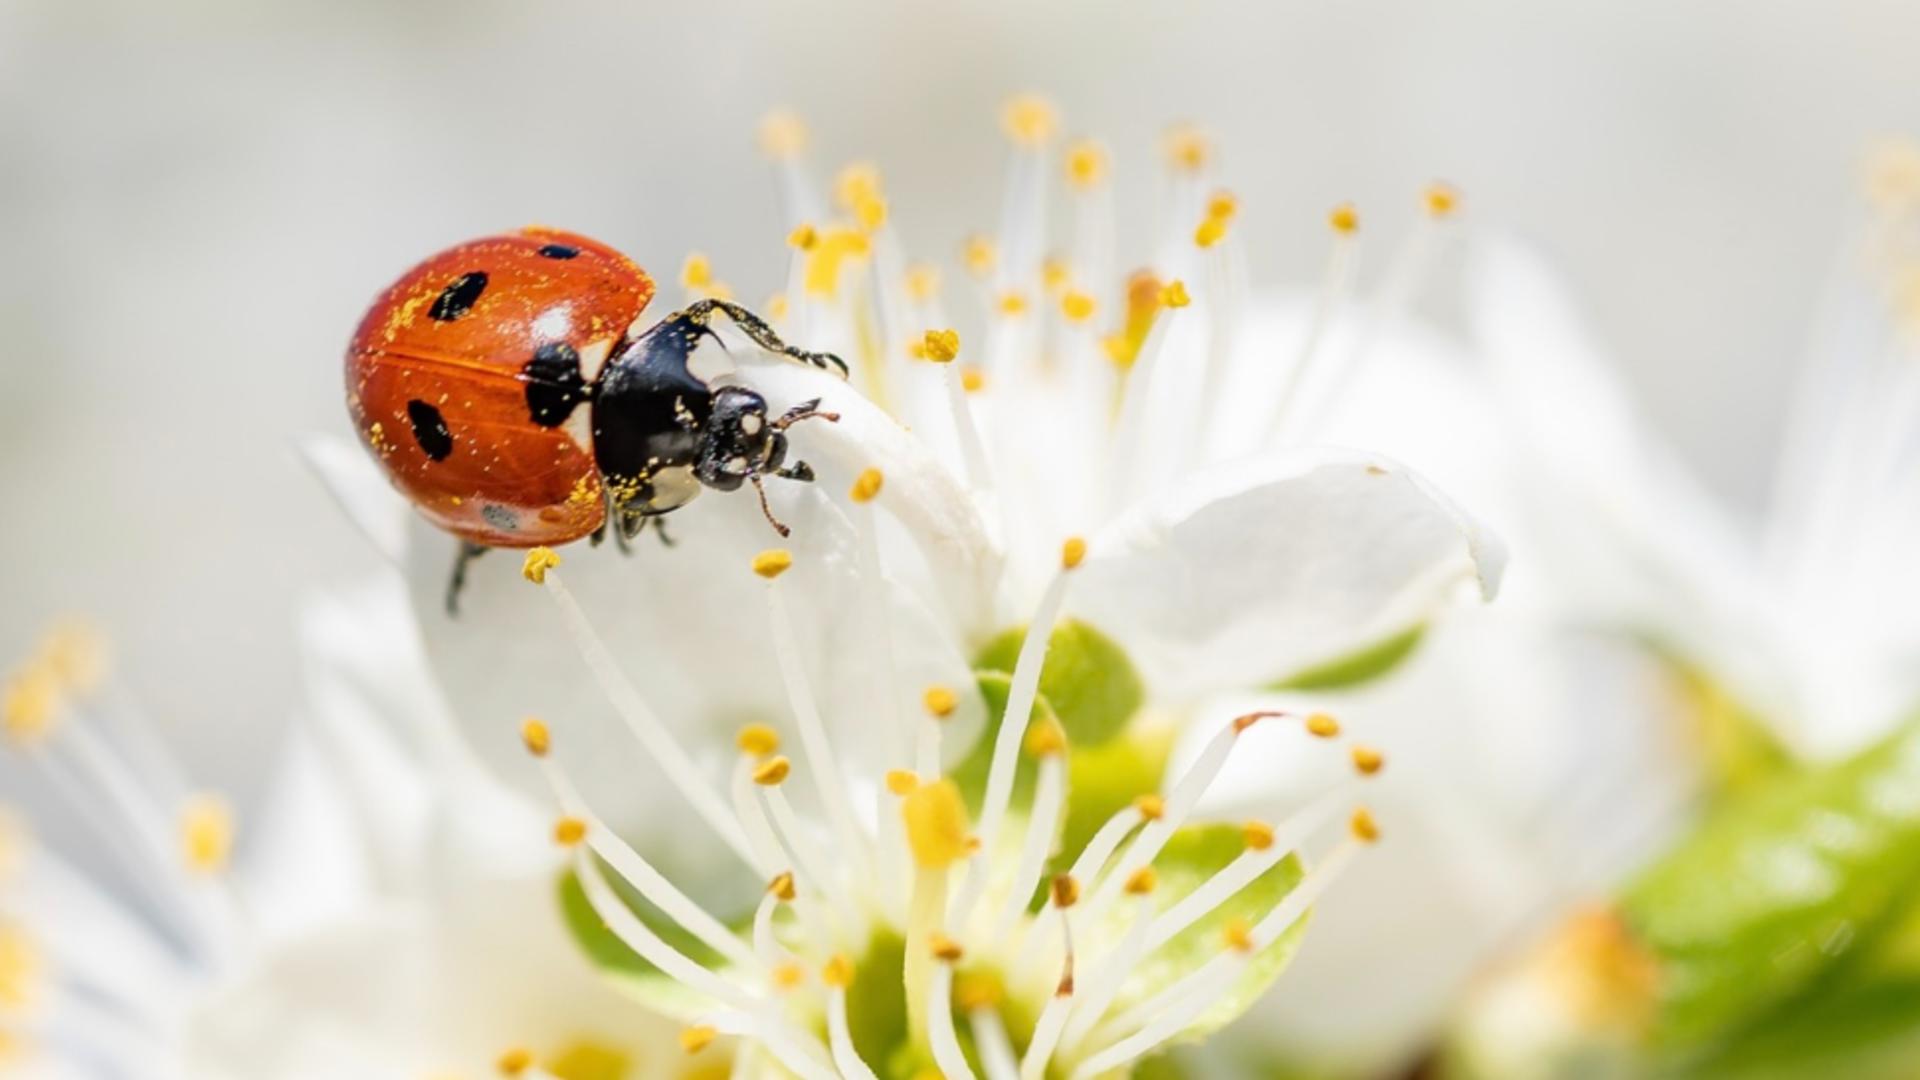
column 32, row 704
column 773, row 772
column 76, row 653
column 1065, row 889
column 1367, row 760
column 1073, row 552
column 1174, row 295
column 1046, row 737
column 20, row 970
column 1893, row 174
column 940, row 701
column 836, row 248
column 697, row 1038
column 979, row 255
column 697, row 271
column 1210, row 232
column 1246, row 720
column 1013, row 302
column 1142, row 881
column 206, row 833
column 781, row 888
column 776, row 307
column 1322, row 725
column 902, row 781
column 569, row 831
column 871, row 213
column 757, row 740
column 944, row 949
column 1151, row 807
column 1119, row 350
column 1187, row 148
column 941, row 346
column 1344, row 219
column 857, row 183
column 1363, row 827
column 936, row 820
column 538, row 561
column 1029, row 120
column 1441, row 200
column 535, row 736
column 514, row 1062
column 1054, row 273
column 1086, row 164
column 804, row 237
column 1222, row 205
column 973, row 380
column 783, row 135
column 838, row 972
column 922, row 282
column 1077, row 306
column 772, row 562
column 866, row 486
column 1258, row 834
column 1238, row 935
column 788, row 976
column 978, row 990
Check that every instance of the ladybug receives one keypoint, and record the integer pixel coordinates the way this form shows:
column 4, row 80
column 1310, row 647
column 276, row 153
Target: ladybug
column 508, row 389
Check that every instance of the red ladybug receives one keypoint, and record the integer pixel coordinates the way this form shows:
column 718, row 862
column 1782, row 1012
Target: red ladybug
column 507, row 387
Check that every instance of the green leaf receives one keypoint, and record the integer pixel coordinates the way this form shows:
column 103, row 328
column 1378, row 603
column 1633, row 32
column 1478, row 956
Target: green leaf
column 1736, row 745
column 625, row 969
column 1194, row 854
column 1104, row 779
column 1777, row 887
column 1088, row 679
column 1359, row 667
column 1864, row 1030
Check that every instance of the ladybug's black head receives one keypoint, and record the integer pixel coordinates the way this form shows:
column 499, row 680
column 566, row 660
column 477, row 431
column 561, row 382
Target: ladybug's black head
column 739, row 441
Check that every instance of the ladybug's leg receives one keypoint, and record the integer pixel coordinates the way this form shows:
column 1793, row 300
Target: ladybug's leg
column 700, row 311
column 799, row 470
column 468, row 553
column 660, row 529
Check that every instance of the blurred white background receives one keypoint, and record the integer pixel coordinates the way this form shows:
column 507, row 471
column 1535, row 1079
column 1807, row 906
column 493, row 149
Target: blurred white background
column 198, row 199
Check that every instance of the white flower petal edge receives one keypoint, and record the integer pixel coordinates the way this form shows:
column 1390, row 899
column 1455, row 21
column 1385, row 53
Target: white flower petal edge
column 1263, row 569
column 362, row 493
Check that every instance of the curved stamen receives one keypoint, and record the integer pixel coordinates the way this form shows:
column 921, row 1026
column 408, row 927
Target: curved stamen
column 838, row 976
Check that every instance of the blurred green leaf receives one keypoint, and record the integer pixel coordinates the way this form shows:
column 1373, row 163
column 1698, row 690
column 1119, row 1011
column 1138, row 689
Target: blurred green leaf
column 1776, row 888
column 1089, row 681
column 1737, row 747
column 1357, row 668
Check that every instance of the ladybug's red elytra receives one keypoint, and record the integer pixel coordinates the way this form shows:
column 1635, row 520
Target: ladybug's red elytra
column 507, row 388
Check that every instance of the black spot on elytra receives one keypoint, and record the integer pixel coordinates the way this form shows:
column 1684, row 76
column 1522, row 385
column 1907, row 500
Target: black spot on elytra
column 558, row 251
column 459, row 297
column 430, row 429
column 554, row 383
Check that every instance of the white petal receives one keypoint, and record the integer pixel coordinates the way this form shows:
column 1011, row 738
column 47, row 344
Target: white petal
column 1269, row 566
column 361, row 492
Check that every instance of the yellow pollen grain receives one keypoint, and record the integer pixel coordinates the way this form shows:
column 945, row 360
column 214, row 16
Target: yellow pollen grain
column 1363, row 827
column 772, row 562
column 1440, row 199
column 569, row 831
column 1073, row 553
column 1142, row 881
column 866, row 486
column 979, row 255
column 940, row 701
column 1150, row 807
column 973, row 380
column 782, row 887
column 871, row 213
column 837, row 247
column 773, row 772
column 20, row 968
column 788, row 976
column 1013, row 302
column 777, row 306
column 936, row 821
column 514, row 1062
column 1222, row 206
column 535, row 736
column 978, row 990
column 901, row 782
column 783, row 135
column 1187, row 148
column 32, row 703
column 1077, row 306
column 1209, row 232
column 1065, row 889
column 838, row 972
column 1367, row 760
column 1258, row 834
column 206, row 833
column 944, row 949
column 757, row 740
column 1174, row 295
column 1322, row 725
column 922, row 282
column 857, row 183
column 1238, row 935
column 803, row 237
column 1045, row 738
column 1029, row 120
column 1086, row 164
column 538, row 561
column 941, row 346
column 1054, row 274
column 1344, row 219
column 697, row 1038
column 697, row 271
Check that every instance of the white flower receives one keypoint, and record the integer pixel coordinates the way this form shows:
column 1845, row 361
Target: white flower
column 389, row 914
column 1206, row 570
